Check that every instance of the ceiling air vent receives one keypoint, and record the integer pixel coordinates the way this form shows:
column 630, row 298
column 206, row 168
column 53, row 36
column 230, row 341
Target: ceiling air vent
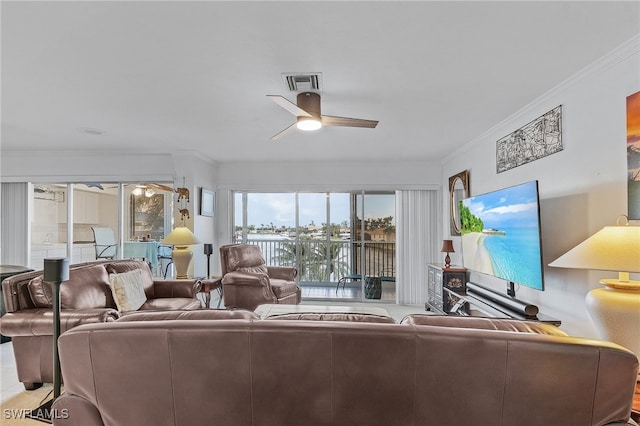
column 303, row 81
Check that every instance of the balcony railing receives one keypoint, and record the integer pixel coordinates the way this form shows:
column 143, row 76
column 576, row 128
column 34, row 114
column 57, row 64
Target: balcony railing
column 319, row 261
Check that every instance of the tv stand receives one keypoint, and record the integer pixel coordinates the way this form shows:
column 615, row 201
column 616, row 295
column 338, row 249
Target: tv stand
column 470, row 305
column 448, row 292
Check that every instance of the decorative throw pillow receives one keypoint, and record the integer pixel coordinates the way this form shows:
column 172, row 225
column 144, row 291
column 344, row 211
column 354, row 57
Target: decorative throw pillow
column 121, row 266
column 127, row 289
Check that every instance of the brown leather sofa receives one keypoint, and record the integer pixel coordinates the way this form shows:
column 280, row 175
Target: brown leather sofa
column 247, row 282
column 85, row 298
column 206, row 369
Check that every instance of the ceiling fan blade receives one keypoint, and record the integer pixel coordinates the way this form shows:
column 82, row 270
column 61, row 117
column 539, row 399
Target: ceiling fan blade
column 283, row 132
column 330, row 120
column 289, row 106
column 160, row 187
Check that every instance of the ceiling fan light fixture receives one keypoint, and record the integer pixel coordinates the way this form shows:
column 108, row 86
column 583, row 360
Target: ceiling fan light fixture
column 308, row 123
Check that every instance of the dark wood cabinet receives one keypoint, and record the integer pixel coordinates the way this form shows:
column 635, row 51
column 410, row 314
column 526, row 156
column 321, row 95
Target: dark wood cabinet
column 453, row 278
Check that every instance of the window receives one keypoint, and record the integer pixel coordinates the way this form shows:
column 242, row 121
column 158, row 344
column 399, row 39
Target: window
column 326, row 235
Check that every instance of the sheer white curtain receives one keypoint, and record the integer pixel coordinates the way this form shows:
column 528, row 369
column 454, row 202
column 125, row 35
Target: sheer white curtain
column 418, row 236
column 15, row 224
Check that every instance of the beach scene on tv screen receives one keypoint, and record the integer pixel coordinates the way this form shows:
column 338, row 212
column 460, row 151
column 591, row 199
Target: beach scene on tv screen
column 501, row 234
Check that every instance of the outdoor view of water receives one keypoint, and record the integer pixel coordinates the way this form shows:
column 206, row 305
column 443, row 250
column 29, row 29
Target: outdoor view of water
column 379, row 256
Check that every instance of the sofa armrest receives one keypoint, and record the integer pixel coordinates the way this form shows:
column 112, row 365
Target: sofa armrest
column 176, row 288
column 39, row 321
column 246, row 279
column 287, row 273
column 74, row 410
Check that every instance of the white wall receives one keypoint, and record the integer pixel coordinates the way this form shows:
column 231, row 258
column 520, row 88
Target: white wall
column 197, row 173
column 582, row 188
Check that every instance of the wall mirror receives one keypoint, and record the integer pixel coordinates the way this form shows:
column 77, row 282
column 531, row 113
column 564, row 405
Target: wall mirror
column 458, row 190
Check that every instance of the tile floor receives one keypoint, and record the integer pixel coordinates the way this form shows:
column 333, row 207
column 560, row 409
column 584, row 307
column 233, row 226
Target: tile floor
column 10, row 386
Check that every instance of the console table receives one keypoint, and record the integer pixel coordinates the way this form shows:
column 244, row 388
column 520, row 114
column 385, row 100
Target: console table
column 447, row 294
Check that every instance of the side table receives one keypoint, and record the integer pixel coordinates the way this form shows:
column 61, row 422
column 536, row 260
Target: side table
column 208, row 285
column 635, row 409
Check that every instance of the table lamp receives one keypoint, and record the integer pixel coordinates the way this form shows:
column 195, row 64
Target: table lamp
column 615, row 309
column 56, row 270
column 180, row 238
column 447, row 247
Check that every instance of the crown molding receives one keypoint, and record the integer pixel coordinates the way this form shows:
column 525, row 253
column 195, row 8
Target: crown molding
column 548, row 99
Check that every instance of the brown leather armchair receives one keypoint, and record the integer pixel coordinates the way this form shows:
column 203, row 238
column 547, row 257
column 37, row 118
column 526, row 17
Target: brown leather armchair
column 85, row 299
column 247, row 282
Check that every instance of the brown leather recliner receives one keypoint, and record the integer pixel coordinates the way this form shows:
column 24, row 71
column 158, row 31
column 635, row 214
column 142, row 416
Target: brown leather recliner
column 248, row 282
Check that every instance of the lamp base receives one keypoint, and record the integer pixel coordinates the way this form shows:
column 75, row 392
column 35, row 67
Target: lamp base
column 181, row 257
column 615, row 311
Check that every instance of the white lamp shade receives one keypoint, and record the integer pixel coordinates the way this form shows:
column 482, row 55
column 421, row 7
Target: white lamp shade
column 180, row 236
column 614, row 248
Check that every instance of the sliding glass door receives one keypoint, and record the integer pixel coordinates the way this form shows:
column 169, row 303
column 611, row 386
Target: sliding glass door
column 68, row 212
column 329, row 236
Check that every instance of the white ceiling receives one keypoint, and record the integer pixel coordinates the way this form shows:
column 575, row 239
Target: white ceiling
column 172, row 76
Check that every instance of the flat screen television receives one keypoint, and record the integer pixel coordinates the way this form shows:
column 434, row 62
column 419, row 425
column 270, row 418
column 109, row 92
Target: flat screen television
column 501, row 235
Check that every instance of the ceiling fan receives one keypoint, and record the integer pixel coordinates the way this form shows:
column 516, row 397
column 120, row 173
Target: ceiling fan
column 309, row 117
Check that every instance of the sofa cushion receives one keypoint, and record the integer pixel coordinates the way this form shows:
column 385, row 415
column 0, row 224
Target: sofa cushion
column 126, row 266
column 87, row 288
column 127, row 290
column 201, row 314
column 282, row 288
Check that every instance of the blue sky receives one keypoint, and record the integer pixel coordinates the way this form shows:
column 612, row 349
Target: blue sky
column 279, row 208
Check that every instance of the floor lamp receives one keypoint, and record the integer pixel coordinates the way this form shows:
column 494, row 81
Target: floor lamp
column 56, row 271
column 615, row 309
